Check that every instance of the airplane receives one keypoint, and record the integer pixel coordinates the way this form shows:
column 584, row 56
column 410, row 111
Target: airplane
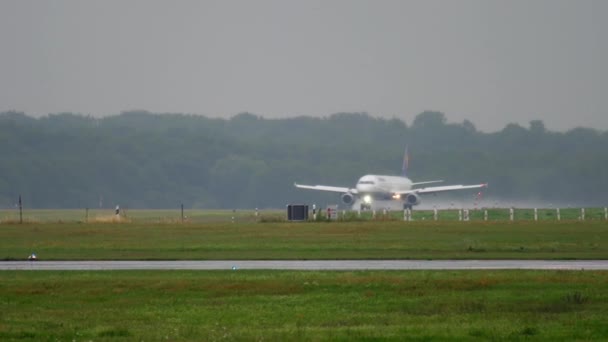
column 370, row 188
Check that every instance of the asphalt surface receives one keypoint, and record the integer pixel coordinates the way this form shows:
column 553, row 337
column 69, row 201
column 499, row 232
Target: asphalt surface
column 308, row 265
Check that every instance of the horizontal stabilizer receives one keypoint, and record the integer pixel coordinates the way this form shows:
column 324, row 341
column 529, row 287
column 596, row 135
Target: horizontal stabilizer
column 326, row 188
column 434, row 189
column 427, row 182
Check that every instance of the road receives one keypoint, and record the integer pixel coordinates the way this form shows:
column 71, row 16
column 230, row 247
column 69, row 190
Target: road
column 310, row 265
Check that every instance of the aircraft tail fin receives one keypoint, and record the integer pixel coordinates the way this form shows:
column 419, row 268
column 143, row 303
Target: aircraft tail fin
column 406, row 162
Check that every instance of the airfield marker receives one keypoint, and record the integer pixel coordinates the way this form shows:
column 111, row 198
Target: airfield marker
column 435, row 214
column 558, row 215
column 582, row 214
column 605, row 213
column 459, row 214
column 407, row 215
column 466, row 214
column 511, row 214
column 535, row 214
column 485, row 214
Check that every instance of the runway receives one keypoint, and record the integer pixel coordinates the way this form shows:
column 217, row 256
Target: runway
column 307, row 265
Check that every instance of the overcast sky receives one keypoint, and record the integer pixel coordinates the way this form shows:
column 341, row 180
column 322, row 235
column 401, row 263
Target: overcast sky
column 491, row 62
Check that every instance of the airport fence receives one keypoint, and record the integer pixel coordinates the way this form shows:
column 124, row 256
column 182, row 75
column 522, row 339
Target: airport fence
column 177, row 216
column 482, row 214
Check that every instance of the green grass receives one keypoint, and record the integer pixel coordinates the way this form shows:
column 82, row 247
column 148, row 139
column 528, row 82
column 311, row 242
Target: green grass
column 249, row 215
column 285, row 306
column 134, row 215
column 321, row 240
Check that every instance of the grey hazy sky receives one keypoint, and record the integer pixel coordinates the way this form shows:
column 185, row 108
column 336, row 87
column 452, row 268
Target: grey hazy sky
column 492, row 62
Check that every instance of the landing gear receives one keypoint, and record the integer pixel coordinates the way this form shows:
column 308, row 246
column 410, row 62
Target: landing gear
column 407, row 206
column 365, row 206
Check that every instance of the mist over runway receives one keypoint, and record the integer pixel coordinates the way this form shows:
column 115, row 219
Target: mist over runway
column 307, row 265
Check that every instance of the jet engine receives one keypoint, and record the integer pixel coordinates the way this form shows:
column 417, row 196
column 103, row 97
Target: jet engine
column 348, row 198
column 412, row 199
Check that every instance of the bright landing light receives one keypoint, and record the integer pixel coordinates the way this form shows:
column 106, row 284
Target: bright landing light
column 367, row 199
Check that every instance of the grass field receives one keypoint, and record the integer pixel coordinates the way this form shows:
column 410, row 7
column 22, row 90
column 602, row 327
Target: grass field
column 135, row 216
column 284, row 306
column 249, row 215
column 321, row 240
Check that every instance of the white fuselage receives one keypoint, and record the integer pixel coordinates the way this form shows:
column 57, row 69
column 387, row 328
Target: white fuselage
column 382, row 185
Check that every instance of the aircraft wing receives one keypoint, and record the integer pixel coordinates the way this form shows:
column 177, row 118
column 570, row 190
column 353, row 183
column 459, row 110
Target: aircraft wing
column 326, row 188
column 434, row 189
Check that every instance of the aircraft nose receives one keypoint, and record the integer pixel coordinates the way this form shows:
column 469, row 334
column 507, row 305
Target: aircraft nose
column 364, row 187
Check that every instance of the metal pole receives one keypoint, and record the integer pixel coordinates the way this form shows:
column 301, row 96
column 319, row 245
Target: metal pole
column 582, row 214
column 535, row 214
column 20, row 210
column 558, row 215
column 435, row 216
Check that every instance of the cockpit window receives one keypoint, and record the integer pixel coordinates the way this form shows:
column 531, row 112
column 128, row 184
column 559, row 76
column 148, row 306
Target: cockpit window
column 366, row 182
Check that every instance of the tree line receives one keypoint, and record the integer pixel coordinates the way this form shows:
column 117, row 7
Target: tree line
column 146, row 160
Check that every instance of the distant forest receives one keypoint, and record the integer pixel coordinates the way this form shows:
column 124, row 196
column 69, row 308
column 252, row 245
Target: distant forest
column 145, row 160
